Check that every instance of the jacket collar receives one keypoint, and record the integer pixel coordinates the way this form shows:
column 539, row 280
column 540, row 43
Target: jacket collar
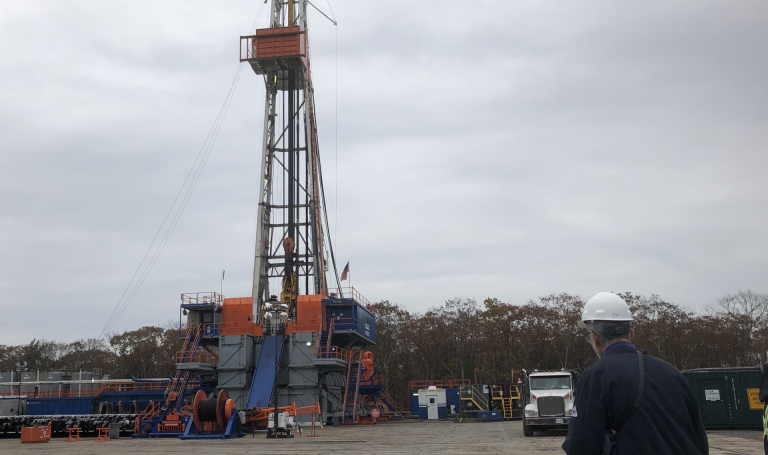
column 620, row 344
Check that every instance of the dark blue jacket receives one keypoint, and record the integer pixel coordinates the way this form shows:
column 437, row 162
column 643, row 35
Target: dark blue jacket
column 667, row 421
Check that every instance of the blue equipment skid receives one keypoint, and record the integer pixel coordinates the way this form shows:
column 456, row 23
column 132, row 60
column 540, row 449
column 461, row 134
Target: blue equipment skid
column 229, row 432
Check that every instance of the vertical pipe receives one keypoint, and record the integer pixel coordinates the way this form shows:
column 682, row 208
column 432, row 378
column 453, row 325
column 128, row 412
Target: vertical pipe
column 291, row 154
column 306, row 197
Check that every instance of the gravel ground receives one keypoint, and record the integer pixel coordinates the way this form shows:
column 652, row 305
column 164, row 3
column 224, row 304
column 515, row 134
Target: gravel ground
column 407, row 437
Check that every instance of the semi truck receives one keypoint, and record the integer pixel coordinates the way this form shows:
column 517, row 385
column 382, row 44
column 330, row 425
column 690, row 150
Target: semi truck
column 547, row 399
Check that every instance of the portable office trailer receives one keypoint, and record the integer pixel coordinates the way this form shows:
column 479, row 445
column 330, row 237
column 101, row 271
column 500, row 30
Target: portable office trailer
column 727, row 397
column 452, row 401
column 432, row 404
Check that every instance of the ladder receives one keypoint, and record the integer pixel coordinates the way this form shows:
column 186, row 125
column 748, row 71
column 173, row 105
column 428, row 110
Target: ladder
column 352, row 391
column 506, row 406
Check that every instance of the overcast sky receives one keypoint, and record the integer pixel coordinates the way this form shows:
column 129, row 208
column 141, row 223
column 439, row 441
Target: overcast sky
column 503, row 149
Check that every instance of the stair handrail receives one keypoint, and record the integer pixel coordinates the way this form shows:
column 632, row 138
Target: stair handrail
column 357, row 386
column 346, row 393
column 330, row 334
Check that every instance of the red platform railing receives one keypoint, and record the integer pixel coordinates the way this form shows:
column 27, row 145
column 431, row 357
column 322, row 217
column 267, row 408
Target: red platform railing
column 334, row 352
column 200, row 357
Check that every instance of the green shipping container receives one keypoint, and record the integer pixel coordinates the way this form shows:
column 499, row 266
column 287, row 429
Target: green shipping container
column 727, row 397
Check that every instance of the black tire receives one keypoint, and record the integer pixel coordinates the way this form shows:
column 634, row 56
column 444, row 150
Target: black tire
column 527, row 430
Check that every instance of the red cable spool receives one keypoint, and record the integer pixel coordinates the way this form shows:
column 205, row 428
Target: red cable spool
column 216, row 410
column 228, row 408
column 221, row 402
column 199, row 397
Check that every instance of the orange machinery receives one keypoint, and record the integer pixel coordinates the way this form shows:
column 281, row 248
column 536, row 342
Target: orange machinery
column 237, row 317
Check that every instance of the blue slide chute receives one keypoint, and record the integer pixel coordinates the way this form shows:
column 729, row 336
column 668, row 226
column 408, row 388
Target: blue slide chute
column 264, row 377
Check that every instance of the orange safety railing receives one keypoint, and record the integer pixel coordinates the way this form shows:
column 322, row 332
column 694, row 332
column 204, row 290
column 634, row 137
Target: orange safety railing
column 302, row 326
column 389, row 402
column 51, row 394
column 343, row 324
column 133, row 386
column 442, row 383
column 259, row 417
column 334, row 352
column 200, row 357
column 375, row 380
column 224, row 328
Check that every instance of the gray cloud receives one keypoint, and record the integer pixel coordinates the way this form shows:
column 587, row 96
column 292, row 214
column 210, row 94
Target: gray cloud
column 505, row 149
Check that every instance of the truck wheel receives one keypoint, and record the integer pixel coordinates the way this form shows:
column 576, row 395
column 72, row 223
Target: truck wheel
column 527, row 429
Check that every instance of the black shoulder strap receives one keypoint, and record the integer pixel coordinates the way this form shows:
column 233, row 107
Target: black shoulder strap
column 641, row 382
column 640, row 387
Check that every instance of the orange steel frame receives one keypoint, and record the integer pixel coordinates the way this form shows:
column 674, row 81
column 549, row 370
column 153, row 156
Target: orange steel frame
column 260, row 417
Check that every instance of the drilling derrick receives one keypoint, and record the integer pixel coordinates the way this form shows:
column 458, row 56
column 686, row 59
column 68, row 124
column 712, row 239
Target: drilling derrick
column 303, row 350
column 289, row 256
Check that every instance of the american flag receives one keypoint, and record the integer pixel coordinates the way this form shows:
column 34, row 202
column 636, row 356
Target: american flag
column 345, row 272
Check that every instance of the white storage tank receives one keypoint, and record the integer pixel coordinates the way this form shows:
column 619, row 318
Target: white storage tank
column 432, row 404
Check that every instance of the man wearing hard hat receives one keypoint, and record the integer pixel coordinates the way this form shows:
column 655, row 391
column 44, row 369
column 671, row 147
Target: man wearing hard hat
column 629, row 402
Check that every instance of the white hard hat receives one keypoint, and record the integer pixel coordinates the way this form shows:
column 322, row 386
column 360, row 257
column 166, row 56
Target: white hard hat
column 605, row 306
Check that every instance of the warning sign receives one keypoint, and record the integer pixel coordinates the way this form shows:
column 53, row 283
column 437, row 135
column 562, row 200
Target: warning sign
column 754, row 399
column 712, row 395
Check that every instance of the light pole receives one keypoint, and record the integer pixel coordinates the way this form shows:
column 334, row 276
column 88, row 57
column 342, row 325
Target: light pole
column 20, row 366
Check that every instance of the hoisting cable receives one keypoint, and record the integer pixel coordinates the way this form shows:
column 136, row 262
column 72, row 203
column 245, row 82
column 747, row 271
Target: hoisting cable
column 322, row 195
column 195, row 171
column 187, row 188
column 321, row 12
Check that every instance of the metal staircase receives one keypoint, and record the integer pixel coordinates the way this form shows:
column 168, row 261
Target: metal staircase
column 168, row 420
column 324, row 341
column 474, row 394
column 188, row 353
column 352, row 391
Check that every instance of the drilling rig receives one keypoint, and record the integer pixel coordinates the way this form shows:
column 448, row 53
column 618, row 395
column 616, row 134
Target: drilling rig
column 291, row 242
column 303, row 352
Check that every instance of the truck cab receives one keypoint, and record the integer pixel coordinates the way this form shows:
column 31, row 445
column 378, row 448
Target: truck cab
column 547, row 400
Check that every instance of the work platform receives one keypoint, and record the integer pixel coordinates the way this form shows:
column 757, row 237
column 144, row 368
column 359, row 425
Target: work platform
column 279, row 49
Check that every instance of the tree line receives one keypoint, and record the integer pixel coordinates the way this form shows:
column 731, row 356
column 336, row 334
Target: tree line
column 465, row 339
column 149, row 352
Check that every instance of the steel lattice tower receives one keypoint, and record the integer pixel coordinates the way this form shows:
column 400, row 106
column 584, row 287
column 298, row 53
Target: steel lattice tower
column 291, row 243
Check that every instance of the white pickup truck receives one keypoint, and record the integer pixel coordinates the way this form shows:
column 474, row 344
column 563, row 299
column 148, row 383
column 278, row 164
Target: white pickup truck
column 547, row 400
